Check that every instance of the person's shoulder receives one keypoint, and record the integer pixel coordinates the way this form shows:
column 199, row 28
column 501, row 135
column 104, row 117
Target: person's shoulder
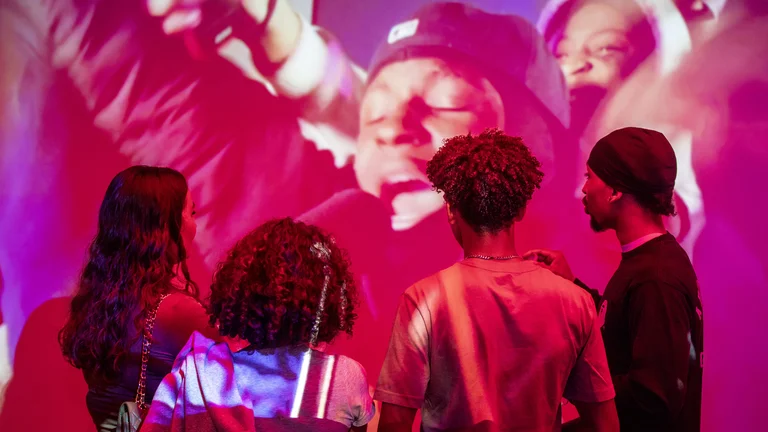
column 545, row 283
column 431, row 286
column 428, row 283
column 181, row 301
column 349, row 363
column 546, row 280
column 669, row 267
column 661, row 252
column 180, row 314
column 348, row 369
column 181, row 296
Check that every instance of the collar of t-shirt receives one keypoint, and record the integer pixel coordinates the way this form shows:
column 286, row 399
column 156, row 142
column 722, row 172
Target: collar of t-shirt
column 634, row 244
column 514, row 265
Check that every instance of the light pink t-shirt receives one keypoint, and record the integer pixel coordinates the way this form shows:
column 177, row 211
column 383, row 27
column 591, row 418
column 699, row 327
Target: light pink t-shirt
column 494, row 345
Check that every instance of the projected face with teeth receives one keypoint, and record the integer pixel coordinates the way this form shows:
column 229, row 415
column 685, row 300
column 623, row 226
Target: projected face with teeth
column 407, row 111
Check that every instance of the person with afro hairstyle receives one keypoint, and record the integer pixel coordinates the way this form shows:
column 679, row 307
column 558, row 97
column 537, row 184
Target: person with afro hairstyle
column 283, row 292
column 493, row 342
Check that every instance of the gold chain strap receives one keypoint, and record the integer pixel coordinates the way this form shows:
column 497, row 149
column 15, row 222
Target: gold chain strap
column 146, row 344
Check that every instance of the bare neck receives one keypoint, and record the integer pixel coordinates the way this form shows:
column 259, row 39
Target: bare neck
column 494, row 245
column 638, row 224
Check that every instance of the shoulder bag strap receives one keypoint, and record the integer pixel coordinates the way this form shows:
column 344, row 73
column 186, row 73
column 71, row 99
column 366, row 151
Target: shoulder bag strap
column 146, row 345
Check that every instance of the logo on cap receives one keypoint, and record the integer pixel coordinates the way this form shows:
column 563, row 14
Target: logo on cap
column 403, row 30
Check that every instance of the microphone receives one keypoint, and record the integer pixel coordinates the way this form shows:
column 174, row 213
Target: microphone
column 358, row 221
column 216, row 27
column 585, row 101
column 219, row 19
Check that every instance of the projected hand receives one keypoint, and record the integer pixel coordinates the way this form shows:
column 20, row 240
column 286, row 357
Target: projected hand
column 553, row 260
column 181, row 15
column 281, row 32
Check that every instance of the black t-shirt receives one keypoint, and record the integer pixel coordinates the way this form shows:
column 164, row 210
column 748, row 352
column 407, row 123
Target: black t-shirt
column 653, row 335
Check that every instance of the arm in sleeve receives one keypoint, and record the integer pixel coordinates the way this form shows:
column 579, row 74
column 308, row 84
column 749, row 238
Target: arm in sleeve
column 326, row 86
column 239, row 146
column 595, row 294
column 361, row 402
column 659, row 328
column 590, row 378
column 168, row 396
column 405, row 373
column 316, row 75
column 322, row 76
column 331, row 107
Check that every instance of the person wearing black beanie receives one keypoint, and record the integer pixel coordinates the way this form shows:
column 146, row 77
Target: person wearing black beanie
column 651, row 308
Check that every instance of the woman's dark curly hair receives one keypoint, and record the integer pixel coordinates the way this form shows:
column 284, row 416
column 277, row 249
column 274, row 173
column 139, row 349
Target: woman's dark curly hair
column 132, row 261
column 268, row 290
column 488, row 178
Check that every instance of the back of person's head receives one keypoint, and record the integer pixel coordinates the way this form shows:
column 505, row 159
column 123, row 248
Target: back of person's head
column 132, row 261
column 487, row 178
column 638, row 162
column 285, row 283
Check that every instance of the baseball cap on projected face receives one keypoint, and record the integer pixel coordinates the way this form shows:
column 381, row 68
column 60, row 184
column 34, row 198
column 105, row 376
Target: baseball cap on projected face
column 505, row 48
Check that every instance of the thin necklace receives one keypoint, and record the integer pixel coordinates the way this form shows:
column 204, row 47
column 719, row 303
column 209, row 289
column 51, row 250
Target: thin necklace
column 490, row 258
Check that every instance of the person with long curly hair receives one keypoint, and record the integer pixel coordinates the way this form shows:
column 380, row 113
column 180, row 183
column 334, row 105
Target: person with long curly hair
column 136, row 261
column 284, row 291
column 494, row 341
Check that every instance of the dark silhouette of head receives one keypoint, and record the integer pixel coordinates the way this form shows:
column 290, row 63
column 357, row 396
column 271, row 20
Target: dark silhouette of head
column 630, row 170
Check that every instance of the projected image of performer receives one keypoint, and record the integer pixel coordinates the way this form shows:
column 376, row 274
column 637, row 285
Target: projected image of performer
column 429, row 81
column 90, row 87
column 611, row 52
column 598, row 43
column 449, row 69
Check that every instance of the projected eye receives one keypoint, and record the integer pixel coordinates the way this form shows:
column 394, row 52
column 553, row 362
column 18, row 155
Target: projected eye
column 450, row 95
column 561, row 52
column 375, row 107
column 611, row 51
column 561, row 49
